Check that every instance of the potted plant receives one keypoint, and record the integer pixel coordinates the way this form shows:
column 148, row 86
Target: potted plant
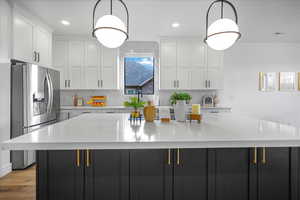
column 135, row 104
column 179, row 101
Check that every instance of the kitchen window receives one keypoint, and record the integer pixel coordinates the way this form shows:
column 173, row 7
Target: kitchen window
column 139, row 75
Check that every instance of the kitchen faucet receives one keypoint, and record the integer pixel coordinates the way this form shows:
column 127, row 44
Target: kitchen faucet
column 139, row 92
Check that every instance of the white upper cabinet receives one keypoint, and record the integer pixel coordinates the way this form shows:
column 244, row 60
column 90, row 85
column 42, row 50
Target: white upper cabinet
column 214, row 69
column 183, row 78
column 186, row 63
column 109, row 70
column 190, row 53
column 168, row 64
column 214, row 59
column 31, row 42
column 60, row 62
column 43, row 43
column 92, row 66
column 168, row 78
column 23, row 39
column 76, row 64
column 168, row 53
column 87, row 65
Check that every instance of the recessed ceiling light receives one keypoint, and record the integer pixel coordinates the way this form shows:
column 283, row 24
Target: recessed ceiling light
column 279, row 33
column 65, row 22
column 175, row 25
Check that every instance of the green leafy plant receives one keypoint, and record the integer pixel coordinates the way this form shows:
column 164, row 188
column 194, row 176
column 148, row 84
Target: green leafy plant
column 179, row 97
column 135, row 103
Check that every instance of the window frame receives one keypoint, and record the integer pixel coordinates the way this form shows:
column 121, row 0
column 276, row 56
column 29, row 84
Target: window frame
column 124, row 69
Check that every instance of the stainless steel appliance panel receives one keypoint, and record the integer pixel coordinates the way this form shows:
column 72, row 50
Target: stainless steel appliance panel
column 54, row 77
column 35, row 102
column 38, row 94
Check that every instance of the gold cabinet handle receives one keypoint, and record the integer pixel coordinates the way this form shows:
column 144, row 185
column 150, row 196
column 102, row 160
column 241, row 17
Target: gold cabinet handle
column 255, row 156
column 178, row 156
column 88, row 160
column 264, row 160
column 78, row 158
column 169, row 157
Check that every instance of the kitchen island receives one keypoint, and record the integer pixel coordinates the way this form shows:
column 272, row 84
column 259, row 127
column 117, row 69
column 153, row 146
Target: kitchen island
column 104, row 156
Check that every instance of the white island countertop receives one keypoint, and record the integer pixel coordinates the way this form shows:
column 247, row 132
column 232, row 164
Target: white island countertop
column 114, row 131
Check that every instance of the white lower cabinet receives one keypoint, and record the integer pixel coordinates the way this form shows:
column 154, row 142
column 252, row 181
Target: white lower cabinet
column 187, row 64
column 86, row 65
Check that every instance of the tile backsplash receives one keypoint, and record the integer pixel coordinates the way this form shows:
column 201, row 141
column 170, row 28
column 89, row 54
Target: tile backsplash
column 116, row 97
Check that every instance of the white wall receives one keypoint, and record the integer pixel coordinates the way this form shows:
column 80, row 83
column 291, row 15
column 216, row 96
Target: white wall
column 242, row 64
column 5, row 55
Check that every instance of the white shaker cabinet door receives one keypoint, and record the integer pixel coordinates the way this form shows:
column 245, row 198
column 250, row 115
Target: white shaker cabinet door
column 183, row 78
column 184, row 53
column 60, row 61
column 168, row 78
column 43, row 46
column 214, row 59
column 92, row 80
column 198, row 78
column 92, row 66
column 168, row 53
column 23, row 39
column 214, row 69
column 198, row 54
column 215, row 79
column 191, row 53
column 109, row 78
column 109, row 69
column 168, row 65
column 76, row 63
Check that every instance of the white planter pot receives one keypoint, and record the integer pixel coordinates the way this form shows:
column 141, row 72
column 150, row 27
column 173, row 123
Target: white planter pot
column 180, row 109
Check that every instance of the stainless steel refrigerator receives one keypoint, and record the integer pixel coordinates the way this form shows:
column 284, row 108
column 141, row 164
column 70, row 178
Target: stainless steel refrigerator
column 35, row 102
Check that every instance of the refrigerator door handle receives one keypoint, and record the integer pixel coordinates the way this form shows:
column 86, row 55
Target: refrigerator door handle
column 52, row 91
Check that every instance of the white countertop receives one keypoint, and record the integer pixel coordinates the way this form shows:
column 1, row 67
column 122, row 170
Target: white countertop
column 114, row 131
column 93, row 107
column 125, row 108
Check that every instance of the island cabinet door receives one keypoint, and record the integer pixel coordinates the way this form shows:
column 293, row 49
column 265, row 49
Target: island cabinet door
column 150, row 175
column 190, row 174
column 275, row 177
column 60, row 175
column 106, row 175
column 229, row 173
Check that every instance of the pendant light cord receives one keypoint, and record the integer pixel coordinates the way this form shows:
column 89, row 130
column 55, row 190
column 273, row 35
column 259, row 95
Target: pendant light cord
column 222, row 9
column 111, row 7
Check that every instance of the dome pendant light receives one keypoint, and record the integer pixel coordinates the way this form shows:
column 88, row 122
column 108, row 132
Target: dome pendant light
column 224, row 32
column 109, row 30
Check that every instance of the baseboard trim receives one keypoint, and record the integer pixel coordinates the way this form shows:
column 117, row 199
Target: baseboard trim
column 4, row 170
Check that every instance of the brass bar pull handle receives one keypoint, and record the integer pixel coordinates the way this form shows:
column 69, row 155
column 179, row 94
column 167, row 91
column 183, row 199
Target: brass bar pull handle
column 78, row 158
column 255, row 156
column 178, row 156
column 264, row 160
column 169, row 157
column 88, row 160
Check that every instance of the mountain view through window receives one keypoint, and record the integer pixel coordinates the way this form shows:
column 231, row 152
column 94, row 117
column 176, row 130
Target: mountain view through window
column 139, row 75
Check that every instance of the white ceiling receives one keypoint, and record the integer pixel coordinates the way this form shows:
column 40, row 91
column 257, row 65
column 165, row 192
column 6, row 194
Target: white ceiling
column 150, row 19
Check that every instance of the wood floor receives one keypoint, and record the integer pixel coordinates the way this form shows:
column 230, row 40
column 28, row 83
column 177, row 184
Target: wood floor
column 18, row 185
